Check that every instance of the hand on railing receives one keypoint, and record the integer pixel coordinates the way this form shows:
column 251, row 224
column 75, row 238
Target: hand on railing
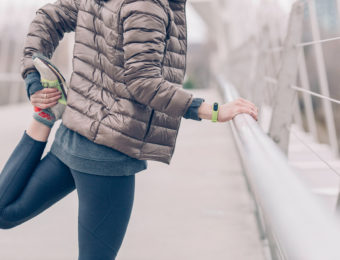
column 229, row 110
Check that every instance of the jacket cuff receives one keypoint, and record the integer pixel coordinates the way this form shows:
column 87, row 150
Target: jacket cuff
column 33, row 83
column 192, row 112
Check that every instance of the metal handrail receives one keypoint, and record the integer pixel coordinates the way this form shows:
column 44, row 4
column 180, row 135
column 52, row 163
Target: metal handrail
column 303, row 229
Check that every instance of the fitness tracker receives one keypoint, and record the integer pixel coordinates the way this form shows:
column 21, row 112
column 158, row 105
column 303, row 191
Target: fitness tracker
column 215, row 112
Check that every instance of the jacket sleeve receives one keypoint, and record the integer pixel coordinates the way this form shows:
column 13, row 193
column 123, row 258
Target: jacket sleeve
column 144, row 35
column 192, row 112
column 47, row 29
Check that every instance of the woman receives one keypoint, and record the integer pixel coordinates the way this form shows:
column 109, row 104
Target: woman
column 124, row 107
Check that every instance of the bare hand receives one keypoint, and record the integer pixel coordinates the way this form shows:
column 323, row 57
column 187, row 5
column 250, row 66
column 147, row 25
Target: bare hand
column 229, row 110
column 45, row 98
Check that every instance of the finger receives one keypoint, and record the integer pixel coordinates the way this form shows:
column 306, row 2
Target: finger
column 248, row 103
column 51, row 104
column 53, row 99
column 247, row 110
column 245, row 101
column 37, row 94
column 253, row 114
column 45, row 91
column 239, row 101
column 48, row 96
column 252, row 107
column 242, row 100
column 39, row 105
column 48, row 105
column 255, row 117
column 56, row 94
column 50, row 90
column 42, row 100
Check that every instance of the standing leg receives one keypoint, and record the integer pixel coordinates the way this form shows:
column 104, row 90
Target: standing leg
column 105, row 205
column 28, row 186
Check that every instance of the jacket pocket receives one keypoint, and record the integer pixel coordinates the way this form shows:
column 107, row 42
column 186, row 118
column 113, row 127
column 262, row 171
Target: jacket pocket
column 149, row 125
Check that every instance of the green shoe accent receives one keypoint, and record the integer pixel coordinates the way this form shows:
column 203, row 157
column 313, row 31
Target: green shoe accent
column 49, row 83
column 54, row 84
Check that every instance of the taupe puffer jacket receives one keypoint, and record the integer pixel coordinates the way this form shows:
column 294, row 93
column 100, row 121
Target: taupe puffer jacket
column 128, row 68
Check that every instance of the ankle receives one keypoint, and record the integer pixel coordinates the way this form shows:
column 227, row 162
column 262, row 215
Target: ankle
column 38, row 131
column 44, row 116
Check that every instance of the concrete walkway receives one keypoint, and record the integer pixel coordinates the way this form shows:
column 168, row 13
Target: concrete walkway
column 197, row 208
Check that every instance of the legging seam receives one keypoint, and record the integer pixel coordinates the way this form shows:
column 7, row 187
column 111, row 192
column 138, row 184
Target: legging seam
column 103, row 242
column 103, row 219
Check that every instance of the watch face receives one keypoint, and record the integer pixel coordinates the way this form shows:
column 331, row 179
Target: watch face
column 215, row 107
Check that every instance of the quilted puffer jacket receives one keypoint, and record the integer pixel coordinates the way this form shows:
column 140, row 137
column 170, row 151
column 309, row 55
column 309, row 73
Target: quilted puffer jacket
column 129, row 62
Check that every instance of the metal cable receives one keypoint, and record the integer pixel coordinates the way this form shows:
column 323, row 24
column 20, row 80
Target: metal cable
column 314, row 152
column 303, row 44
column 315, row 94
column 275, row 81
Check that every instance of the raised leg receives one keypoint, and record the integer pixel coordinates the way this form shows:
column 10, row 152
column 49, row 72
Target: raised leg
column 29, row 185
column 19, row 168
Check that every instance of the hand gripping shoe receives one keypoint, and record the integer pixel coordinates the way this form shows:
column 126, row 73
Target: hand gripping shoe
column 51, row 77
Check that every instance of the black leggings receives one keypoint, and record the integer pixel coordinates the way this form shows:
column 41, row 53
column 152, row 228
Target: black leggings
column 29, row 185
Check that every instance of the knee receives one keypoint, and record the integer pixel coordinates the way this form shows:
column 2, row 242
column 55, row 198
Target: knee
column 7, row 225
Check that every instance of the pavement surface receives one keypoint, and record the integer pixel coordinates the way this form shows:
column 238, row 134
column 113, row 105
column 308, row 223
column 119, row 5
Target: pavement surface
column 196, row 208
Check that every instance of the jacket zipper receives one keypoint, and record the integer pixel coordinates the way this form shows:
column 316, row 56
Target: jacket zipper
column 149, row 124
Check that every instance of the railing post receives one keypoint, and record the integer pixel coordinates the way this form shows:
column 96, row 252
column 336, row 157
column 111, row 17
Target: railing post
column 338, row 5
column 284, row 96
column 259, row 87
column 306, row 97
column 323, row 80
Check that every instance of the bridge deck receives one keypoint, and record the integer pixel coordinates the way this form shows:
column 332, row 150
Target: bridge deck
column 316, row 165
column 196, row 208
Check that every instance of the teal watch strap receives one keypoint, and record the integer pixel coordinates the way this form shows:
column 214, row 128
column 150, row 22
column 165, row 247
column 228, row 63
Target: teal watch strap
column 215, row 112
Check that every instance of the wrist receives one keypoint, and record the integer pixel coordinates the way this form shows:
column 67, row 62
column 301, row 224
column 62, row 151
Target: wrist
column 33, row 83
column 205, row 111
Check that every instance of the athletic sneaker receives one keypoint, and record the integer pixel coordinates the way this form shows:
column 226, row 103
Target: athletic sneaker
column 50, row 77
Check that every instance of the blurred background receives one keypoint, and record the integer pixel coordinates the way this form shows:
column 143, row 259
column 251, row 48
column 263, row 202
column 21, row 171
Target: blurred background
column 216, row 29
column 206, row 205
